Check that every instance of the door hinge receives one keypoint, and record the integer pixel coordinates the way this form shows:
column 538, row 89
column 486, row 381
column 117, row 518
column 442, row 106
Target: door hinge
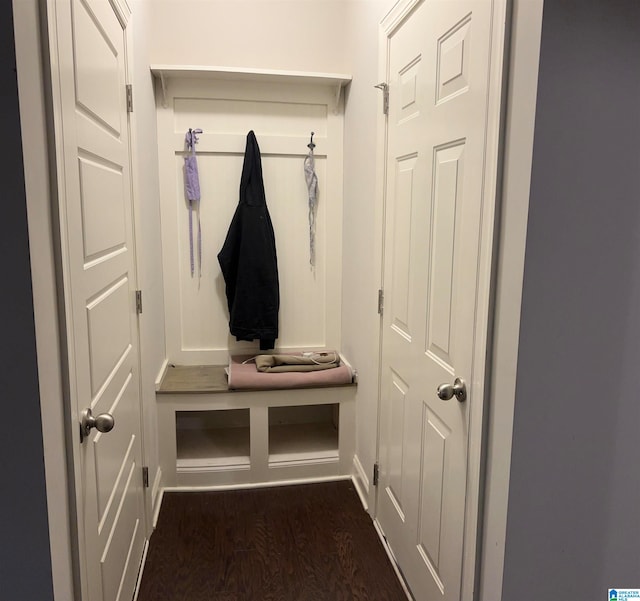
column 129, row 88
column 380, row 302
column 385, row 96
column 145, row 477
column 376, row 474
column 138, row 301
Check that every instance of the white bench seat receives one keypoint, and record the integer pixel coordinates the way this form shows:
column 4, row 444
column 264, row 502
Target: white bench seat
column 213, row 437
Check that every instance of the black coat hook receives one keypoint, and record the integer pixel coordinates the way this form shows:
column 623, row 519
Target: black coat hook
column 192, row 137
column 311, row 145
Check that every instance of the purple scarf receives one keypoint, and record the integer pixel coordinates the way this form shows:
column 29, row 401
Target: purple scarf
column 192, row 187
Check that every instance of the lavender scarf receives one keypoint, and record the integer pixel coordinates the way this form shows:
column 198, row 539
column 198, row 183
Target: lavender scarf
column 192, row 188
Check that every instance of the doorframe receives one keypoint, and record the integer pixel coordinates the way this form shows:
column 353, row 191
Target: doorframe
column 39, row 98
column 478, row 530
column 35, row 121
column 520, row 112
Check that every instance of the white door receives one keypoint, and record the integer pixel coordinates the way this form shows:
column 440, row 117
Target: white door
column 436, row 160
column 88, row 41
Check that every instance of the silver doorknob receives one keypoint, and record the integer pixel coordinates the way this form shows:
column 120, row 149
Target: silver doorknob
column 103, row 423
column 457, row 389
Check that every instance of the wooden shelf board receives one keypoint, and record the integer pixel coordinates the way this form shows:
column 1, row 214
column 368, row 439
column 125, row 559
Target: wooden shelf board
column 194, row 379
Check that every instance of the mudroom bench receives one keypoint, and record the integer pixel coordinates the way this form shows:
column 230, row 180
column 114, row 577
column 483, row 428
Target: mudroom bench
column 211, row 436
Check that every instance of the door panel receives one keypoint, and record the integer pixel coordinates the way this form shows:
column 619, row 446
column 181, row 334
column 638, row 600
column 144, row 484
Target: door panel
column 109, row 333
column 452, row 60
column 435, row 438
column 103, row 223
column 441, row 315
column 438, row 62
column 400, row 292
column 397, row 421
column 97, row 56
column 112, row 453
column 99, row 275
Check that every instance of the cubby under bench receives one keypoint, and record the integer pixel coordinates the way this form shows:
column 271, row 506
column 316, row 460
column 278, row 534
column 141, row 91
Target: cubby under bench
column 212, row 436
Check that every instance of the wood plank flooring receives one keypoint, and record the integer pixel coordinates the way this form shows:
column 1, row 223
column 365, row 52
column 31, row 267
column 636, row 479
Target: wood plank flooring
column 310, row 542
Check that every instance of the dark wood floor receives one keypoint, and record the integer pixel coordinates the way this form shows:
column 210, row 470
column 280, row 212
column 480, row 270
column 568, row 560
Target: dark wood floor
column 301, row 543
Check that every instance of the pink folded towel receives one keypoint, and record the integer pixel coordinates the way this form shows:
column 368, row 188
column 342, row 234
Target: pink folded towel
column 243, row 375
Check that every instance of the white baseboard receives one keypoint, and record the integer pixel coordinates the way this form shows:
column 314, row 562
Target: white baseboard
column 222, row 487
column 157, row 505
column 392, row 559
column 361, row 482
column 141, row 570
column 156, row 495
column 161, row 372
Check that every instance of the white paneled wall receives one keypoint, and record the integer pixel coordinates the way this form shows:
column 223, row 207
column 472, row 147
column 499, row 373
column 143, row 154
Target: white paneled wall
column 282, row 116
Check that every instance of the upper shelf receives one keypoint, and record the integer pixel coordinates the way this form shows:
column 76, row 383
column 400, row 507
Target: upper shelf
column 242, row 74
column 334, row 80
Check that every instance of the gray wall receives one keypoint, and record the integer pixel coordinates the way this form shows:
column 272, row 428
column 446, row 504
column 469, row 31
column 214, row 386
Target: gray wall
column 573, row 526
column 25, row 562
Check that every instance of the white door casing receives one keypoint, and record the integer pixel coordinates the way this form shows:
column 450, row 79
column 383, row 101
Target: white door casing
column 443, row 65
column 87, row 41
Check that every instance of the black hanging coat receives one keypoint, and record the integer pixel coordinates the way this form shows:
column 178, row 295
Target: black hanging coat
column 248, row 259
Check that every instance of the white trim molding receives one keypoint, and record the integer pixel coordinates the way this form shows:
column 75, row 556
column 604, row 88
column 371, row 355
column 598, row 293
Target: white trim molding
column 156, row 495
column 520, row 99
column 33, row 98
column 361, row 482
column 122, row 10
column 392, row 560
column 161, row 372
column 398, row 13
